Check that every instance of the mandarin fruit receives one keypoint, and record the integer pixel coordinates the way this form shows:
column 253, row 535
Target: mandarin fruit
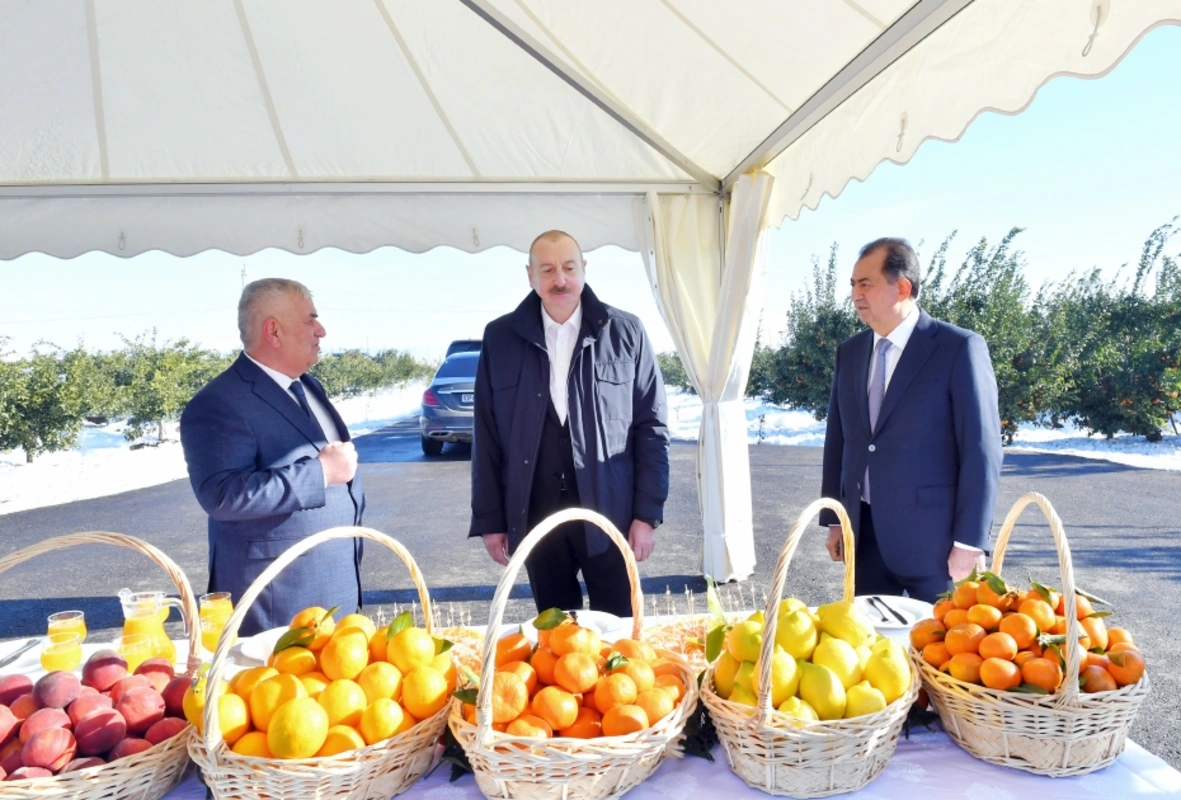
column 249, row 678
column 986, row 595
column 1094, row 679
column 294, row 661
column 529, row 725
column 340, row 739
column 1127, row 666
column 638, row 671
column 356, row 621
column 987, row 617
column 1096, row 631
column 998, row 645
column 1121, row 646
column 657, row 704
column 997, row 673
column 634, row 648
column 525, row 672
column 1023, row 656
column 381, row 679
column 926, row 631
column 310, row 618
column 298, row 728
column 510, row 696
column 624, row 719
column 957, row 616
column 964, row 595
column 587, row 725
column 571, row 639
column 936, row 654
column 556, row 706
column 345, row 656
column 344, row 700
column 1096, row 659
column 964, row 667
column 514, row 647
column 314, row 683
column 576, row 672
column 1082, row 607
column 1021, row 627
column 253, row 744
column 965, row 638
column 616, row 689
column 1042, row 672
column 941, row 609
column 1040, row 612
column 1118, row 635
column 671, row 684
column 269, row 695
column 424, row 692
column 543, row 662
column 381, row 720
column 409, row 649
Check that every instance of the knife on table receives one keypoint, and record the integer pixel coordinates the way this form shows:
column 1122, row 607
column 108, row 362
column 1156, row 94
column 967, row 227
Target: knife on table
column 883, row 604
column 20, row 651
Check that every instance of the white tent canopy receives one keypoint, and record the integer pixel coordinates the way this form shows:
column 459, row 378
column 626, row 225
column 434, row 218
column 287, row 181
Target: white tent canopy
column 133, row 125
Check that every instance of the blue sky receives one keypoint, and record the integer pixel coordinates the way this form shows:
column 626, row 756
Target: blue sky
column 1089, row 170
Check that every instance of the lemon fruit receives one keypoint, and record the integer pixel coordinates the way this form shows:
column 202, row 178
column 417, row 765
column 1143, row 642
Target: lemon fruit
column 757, row 616
column 839, row 656
column 233, row 717
column 745, row 677
column 381, row 720
column 269, row 695
column 193, row 702
column 744, row 696
column 795, row 632
column 344, row 701
column 298, row 728
column 409, row 649
column 340, row 739
column 863, row 699
column 888, row 670
column 744, row 640
column 823, row 690
column 785, row 676
column 345, row 656
column 846, row 621
column 725, row 670
column 789, row 604
column 795, row 707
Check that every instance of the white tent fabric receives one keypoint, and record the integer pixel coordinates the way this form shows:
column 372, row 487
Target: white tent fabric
column 136, row 125
column 709, row 283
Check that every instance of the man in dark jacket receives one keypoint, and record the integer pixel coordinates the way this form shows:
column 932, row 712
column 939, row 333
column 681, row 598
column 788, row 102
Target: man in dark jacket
column 570, row 412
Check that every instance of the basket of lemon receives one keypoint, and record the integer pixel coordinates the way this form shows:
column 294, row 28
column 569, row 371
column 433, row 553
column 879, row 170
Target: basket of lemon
column 119, row 748
column 1010, row 689
column 342, row 709
column 571, row 716
column 808, row 705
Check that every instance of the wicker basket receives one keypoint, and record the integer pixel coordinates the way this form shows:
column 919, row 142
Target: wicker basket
column 380, row 770
column 784, row 756
column 145, row 776
column 1063, row 734
column 589, row 769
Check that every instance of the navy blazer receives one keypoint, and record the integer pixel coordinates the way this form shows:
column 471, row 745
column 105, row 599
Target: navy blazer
column 251, row 453
column 935, row 459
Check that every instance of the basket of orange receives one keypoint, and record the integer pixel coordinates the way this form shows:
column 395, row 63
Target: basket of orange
column 1030, row 679
column 109, row 734
column 808, row 704
column 343, row 708
column 571, row 716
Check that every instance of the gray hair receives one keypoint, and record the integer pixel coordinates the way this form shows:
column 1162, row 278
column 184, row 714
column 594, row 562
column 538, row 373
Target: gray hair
column 258, row 298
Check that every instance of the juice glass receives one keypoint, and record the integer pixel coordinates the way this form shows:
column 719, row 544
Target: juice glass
column 215, row 611
column 68, row 622
column 62, row 652
column 135, row 649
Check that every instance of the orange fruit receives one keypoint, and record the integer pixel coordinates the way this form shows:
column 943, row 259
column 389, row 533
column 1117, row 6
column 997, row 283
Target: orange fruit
column 656, row 703
column 964, row 667
column 381, row 719
column 345, row 656
column 314, row 683
column 556, row 706
column 249, row 678
column 253, row 744
column 514, row 647
column 381, row 679
column 340, row 739
column 576, row 672
column 356, row 621
column 638, row 671
column 985, row 595
column 409, row 649
column 587, row 725
column 1096, row 631
column 997, row 673
column 987, row 617
column 634, row 648
column 936, row 654
column 926, row 631
column 1094, row 679
column 1121, row 646
column 310, row 618
column 1118, row 635
column 662, row 666
column 616, row 689
column 510, row 696
column 233, row 717
column 377, row 644
column 1082, row 607
column 525, row 672
column 269, row 695
column 624, row 719
column 671, row 684
column 1059, row 626
column 941, row 609
column 543, row 662
column 1056, row 599
column 1021, row 627
column 1127, row 666
column 1098, row 660
column 957, row 616
column 964, row 595
column 345, row 701
column 424, row 692
column 294, row 661
column 998, row 645
column 571, row 639
column 1040, row 612
column 529, row 725
column 1043, row 672
column 298, row 728
column 1023, row 656
column 964, row 638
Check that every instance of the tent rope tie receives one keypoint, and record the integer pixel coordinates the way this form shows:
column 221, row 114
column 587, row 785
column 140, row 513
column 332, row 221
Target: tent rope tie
column 901, row 133
column 811, row 175
column 299, row 237
column 122, row 240
column 1099, row 9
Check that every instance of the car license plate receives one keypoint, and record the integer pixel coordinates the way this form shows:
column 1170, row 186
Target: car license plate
column 467, row 397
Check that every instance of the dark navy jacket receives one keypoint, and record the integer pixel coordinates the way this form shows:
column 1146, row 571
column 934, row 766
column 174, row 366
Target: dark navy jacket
column 617, row 414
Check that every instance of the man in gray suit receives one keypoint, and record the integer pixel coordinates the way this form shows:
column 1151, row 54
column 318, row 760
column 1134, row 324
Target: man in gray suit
column 271, row 462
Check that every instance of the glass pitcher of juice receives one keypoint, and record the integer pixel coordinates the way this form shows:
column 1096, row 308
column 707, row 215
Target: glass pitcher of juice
column 145, row 613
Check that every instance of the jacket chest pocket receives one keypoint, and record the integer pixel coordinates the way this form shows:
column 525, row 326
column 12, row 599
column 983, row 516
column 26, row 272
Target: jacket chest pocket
column 614, row 384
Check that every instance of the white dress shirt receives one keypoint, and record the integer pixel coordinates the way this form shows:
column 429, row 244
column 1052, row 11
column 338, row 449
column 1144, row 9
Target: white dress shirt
column 327, row 424
column 560, row 340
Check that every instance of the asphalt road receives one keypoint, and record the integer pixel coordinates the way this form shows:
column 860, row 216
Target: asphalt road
column 1122, row 525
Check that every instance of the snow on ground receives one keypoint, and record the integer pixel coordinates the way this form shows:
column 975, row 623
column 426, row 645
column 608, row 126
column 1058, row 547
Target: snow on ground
column 104, row 462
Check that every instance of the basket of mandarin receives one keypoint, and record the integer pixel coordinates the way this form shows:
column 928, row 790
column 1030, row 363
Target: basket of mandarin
column 573, row 716
column 807, row 704
column 1033, row 679
column 111, row 727
column 342, row 709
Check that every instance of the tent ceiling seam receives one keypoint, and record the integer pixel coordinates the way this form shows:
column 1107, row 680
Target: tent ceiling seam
column 881, row 26
column 920, row 21
column 554, row 186
column 96, row 90
column 486, row 11
column 426, row 87
column 264, row 87
column 688, row 23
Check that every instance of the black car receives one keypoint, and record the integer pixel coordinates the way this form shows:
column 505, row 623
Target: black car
column 447, row 403
column 463, row 346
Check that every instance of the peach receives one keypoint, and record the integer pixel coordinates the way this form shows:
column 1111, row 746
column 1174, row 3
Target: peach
column 125, row 684
column 9, row 725
column 28, row 773
column 81, row 763
column 174, row 696
column 129, row 747
column 85, row 690
column 56, row 690
column 104, row 669
column 41, row 719
column 88, row 704
column 157, row 670
column 13, row 686
column 165, row 729
column 23, row 706
column 11, row 747
column 100, row 732
column 51, row 748
column 12, row 762
column 142, row 708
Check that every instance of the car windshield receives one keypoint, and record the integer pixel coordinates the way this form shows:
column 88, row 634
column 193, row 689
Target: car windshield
column 461, row 365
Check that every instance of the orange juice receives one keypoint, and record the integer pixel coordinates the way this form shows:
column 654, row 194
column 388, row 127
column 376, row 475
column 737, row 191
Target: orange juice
column 215, row 611
column 68, row 622
column 149, row 623
column 135, row 648
column 62, row 651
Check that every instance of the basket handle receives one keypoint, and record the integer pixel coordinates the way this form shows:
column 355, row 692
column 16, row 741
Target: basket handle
column 504, row 588
column 212, row 734
column 188, row 600
column 770, row 615
column 1065, row 567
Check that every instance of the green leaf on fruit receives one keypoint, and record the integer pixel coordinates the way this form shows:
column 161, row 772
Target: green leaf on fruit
column 1092, row 597
column 471, row 677
column 328, row 615
column 399, row 624
column 1099, row 614
column 615, row 661
column 713, row 602
column 549, row 619
column 296, row 637
column 996, row 583
column 468, row 696
column 1044, row 591
column 714, row 642
column 1028, row 688
column 442, row 645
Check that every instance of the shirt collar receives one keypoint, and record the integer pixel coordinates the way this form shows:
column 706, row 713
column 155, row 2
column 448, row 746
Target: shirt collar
column 550, row 324
column 284, row 381
column 901, row 333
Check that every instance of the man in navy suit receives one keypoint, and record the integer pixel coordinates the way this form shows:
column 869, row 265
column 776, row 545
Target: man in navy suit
column 271, row 462
column 913, row 446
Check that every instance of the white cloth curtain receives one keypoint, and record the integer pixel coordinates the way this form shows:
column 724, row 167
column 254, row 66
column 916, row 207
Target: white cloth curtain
column 706, row 265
